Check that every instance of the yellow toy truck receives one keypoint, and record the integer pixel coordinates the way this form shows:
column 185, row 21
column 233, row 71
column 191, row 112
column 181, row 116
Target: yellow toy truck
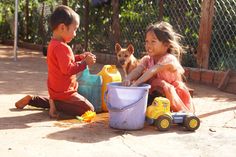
column 159, row 115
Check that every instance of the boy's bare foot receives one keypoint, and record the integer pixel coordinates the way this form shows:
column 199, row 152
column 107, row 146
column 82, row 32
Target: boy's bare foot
column 52, row 110
column 20, row 104
column 53, row 113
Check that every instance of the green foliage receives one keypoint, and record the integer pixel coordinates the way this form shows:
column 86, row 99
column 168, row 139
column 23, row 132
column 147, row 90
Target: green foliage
column 188, row 60
column 6, row 19
column 135, row 16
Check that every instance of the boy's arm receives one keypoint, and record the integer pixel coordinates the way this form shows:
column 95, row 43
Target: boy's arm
column 65, row 63
column 79, row 57
column 82, row 56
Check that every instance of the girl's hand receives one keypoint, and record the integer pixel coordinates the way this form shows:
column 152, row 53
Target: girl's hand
column 134, row 84
column 126, row 82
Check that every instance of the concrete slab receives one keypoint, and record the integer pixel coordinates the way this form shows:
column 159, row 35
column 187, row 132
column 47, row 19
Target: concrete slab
column 30, row 132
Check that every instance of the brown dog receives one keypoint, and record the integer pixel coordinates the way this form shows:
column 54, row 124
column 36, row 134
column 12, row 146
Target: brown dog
column 126, row 58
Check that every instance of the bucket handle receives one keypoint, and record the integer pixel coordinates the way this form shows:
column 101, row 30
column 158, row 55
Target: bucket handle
column 119, row 109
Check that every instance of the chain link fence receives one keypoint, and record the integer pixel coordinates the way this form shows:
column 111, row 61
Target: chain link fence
column 184, row 15
column 223, row 44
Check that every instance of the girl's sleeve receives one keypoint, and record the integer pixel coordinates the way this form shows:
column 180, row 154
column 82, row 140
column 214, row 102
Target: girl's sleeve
column 66, row 61
column 171, row 59
column 144, row 61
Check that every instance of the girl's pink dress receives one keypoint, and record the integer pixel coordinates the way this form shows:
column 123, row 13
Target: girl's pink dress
column 170, row 83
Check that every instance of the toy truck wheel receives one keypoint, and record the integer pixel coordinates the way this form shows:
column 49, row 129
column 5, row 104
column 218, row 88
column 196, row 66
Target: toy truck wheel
column 191, row 123
column 163, row 123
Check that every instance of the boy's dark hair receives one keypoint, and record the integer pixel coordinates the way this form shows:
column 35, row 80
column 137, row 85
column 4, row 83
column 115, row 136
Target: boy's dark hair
column 63, row 14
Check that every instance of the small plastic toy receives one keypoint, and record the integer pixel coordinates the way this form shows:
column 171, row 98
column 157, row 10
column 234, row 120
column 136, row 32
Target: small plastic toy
column 87, row 116
column 159, row 115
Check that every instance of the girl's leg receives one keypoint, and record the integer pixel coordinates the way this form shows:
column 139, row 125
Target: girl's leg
column 75, row 106
column 155, row 91
column 179, row 97
column 154, row 94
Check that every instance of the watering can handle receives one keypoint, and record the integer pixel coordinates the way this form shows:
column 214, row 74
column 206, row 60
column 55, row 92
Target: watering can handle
column 119, row 109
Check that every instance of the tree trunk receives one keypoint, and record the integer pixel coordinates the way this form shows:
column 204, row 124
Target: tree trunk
column 42, row 30
column 65, row 2
column 115, row 20
column 205, row 30
column 160, row 18
column 27, row 19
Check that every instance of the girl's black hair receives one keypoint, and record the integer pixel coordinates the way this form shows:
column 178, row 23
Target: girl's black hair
column 166, row 34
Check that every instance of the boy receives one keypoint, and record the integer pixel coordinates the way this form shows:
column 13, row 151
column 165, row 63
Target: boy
column 62, row 68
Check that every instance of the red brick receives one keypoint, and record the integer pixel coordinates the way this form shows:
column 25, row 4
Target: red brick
column 207, row 76
column 195, row 75
column 217, row 77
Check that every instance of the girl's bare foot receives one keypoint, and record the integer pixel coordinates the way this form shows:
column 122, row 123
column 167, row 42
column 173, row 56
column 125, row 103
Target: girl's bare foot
column 20, row 104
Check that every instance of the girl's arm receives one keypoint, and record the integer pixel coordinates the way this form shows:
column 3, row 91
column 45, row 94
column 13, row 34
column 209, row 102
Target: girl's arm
column 137, row 72
column 152, row 71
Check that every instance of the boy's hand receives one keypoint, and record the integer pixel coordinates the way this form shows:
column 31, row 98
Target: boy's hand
column 85, row 54
column 90, row 59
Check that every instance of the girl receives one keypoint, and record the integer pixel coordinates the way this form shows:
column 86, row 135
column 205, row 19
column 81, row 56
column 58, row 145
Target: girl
column 161, row 67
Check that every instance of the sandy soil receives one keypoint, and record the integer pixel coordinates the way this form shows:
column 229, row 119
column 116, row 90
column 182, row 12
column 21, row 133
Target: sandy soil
column 30, row 132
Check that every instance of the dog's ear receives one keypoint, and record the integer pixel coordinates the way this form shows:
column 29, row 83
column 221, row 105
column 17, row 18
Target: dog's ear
column 117, row 47
column 130, row 48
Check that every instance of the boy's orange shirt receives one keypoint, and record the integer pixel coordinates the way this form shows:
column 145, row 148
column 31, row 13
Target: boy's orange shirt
column 63, row 66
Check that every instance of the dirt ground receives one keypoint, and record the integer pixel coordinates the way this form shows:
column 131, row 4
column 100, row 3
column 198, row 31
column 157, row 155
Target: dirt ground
column 30, row 132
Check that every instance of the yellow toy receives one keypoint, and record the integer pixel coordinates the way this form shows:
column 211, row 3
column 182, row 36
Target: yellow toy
column 158, row 113
column 87, row 116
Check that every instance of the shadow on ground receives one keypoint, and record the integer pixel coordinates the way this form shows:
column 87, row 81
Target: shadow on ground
column 99, row 130
column 21, row 122
column 216, row 112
